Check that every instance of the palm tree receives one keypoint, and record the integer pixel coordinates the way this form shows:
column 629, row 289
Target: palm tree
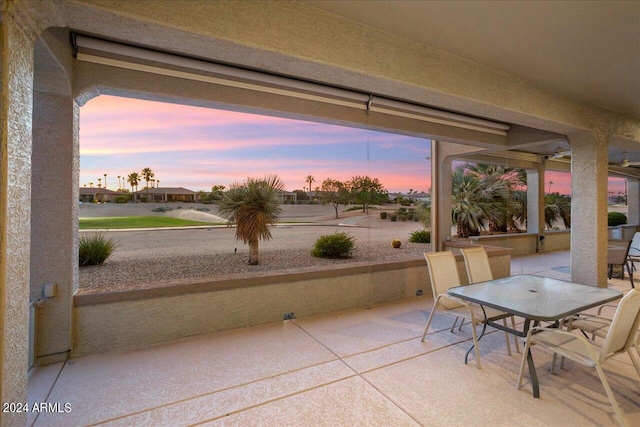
column 310, row 180
column 147, row 174
column 133, row 179
column 253, row 206
column 556, row 207
column 423, row 211
column 504, row 187
column 473, row 202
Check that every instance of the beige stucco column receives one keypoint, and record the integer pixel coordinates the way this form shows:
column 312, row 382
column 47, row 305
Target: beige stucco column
column 15, row 199
column 535, row 204
column 589, row 170
column 54, row 220
column 633, row 201
column 442, row 156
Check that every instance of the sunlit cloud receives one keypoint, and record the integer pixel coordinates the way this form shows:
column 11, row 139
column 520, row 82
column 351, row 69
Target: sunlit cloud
column 199, row 147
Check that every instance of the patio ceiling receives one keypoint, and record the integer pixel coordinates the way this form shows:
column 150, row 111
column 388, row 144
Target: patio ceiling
column 588, row 50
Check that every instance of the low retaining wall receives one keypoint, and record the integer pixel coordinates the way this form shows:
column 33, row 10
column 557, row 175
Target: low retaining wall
column 557, row 240
column 524, row 243
column 108, row 321
column 623, row 232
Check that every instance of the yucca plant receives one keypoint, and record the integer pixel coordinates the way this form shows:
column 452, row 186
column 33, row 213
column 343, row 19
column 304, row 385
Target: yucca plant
column 94, row 249
column 253, row 207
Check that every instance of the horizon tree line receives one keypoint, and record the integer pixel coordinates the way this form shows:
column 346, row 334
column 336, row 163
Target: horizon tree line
column 134, row 179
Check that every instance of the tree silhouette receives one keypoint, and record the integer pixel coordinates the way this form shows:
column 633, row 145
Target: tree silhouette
column 310, row 180
column 335, row 192
column 133, row 178
column 147, row 174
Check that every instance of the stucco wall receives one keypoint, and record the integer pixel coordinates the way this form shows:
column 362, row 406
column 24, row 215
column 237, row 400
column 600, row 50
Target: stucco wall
column 15, row 211
column 110, row 321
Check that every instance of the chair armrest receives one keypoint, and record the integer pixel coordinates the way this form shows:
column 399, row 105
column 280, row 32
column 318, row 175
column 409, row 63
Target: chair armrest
column 607, row 306
column 457, row 301
column 579, row 338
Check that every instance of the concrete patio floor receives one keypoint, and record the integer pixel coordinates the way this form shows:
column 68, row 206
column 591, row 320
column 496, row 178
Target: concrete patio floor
column 357, row 367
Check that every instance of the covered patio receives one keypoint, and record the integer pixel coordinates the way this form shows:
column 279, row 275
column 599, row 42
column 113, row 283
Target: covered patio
column 358, row 367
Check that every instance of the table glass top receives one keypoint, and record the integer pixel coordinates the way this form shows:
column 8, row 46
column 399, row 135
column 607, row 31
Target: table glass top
column 535, row 297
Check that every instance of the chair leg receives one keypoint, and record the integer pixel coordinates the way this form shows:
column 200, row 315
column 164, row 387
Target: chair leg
column 454, row 324
column 506, row 335
column 527, row 348
column 461, row 323
column 612, row 399
column 475, row 343
column 553, row 363
column 426, row 329
column 610, row 270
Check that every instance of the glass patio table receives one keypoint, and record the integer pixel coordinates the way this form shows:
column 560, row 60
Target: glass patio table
column 535, row 299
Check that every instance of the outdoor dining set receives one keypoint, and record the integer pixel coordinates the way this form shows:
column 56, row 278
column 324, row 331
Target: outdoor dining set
column 553, row 312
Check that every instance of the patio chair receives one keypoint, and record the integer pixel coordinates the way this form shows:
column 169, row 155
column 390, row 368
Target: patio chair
column 478, row 268
column 634, row 250
column 443, row 274
column 619, row 339
column 618, row 255
column 598, row 326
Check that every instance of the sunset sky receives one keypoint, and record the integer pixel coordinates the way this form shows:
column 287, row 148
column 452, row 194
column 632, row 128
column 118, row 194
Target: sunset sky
column 197, row 148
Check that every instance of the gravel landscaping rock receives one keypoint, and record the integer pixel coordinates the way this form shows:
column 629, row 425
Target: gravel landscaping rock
column 156, row 258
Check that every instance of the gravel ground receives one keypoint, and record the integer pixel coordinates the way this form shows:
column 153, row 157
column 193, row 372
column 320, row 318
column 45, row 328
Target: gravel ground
column 151, row 273
column 156, row 258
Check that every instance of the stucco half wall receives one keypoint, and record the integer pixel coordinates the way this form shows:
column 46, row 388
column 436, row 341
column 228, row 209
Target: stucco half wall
column 109, row 321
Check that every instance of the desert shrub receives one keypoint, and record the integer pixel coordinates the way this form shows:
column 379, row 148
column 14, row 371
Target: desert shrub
column 162, row 209
column 410, row 216
column 402, row 210
column 616, row 218
column 143, row 199
column 122, row 199
column 353, row 208
column 420, row 236
column 336, row 245
column 203, row 209
column 95, row 249
column 416, row 218
column 383, row 215
column 402, row 217
column 393, row 217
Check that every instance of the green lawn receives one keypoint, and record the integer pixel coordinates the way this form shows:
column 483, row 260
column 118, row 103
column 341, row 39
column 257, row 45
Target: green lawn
column 137, row 222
